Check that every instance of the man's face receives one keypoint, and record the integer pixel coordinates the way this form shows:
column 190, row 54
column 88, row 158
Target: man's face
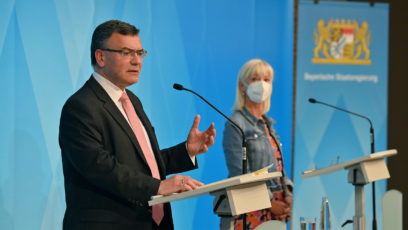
column 122, row 71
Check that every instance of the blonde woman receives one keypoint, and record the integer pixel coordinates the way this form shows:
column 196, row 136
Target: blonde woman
column 254, row 90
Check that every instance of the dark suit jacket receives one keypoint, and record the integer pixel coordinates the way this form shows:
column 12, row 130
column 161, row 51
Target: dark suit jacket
column 107, row 180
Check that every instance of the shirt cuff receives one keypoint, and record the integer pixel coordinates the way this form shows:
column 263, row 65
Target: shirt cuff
column 192, row 158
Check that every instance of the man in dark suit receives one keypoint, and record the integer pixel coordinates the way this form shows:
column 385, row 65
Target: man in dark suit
column 111, row 159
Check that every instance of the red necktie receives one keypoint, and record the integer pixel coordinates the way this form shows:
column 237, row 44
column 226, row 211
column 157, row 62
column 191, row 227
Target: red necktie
column 137, row 127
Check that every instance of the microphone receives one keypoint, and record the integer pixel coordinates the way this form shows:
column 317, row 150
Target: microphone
column 178, row 86
column 244, row 154
column 314, row 101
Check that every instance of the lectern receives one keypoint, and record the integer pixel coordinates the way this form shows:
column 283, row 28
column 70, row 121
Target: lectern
column 361, row 171
column 244, row 193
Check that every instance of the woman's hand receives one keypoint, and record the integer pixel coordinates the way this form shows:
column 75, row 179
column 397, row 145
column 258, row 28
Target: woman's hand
column 281, row 209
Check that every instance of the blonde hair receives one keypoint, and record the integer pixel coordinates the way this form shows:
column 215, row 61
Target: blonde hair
column 254, row 66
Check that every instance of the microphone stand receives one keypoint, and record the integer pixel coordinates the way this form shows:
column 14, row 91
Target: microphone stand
column 244, row 147
column 372, row 148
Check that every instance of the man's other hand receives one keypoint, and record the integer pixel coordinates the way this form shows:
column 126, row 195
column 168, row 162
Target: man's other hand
column 198, row 142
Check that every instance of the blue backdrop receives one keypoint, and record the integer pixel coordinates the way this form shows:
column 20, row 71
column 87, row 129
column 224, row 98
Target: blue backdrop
column 44, row 58
column 345, row 78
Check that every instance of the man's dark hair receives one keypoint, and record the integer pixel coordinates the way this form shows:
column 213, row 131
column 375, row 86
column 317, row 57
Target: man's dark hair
column 105, row 30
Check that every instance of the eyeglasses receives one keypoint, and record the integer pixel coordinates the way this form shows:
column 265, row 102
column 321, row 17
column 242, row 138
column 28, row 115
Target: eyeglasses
column 129, row 53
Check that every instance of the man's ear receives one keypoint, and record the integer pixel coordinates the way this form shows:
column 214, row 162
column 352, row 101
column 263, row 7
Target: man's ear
column 100, row 58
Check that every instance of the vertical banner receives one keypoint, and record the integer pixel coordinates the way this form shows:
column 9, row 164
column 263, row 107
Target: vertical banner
column 342, row 60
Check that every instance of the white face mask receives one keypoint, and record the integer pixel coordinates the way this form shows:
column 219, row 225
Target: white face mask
column 258, row 91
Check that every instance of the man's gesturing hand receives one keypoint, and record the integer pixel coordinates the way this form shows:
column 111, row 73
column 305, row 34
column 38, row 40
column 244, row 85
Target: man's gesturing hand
column 198, row 142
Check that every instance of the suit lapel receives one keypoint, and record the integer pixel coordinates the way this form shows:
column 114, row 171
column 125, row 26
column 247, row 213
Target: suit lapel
column 113, row 110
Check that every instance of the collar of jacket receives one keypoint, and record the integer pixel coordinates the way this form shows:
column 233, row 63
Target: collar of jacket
column 253, row 119
column 116, row 114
